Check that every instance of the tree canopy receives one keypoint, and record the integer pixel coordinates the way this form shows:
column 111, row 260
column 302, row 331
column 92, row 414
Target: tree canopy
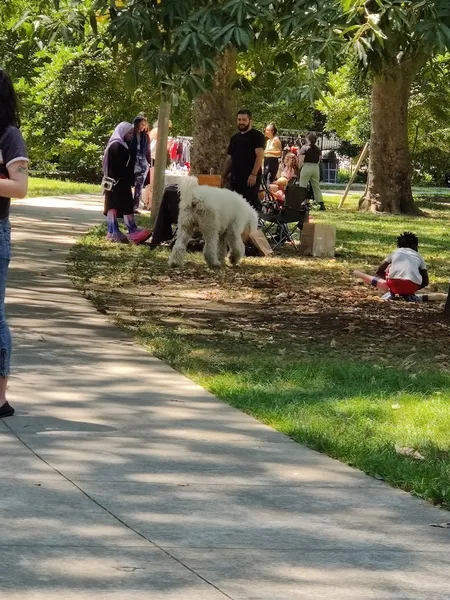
column 81, row 65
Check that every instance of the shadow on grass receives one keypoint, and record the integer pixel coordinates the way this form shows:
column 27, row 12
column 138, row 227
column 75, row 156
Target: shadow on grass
column 355, row 402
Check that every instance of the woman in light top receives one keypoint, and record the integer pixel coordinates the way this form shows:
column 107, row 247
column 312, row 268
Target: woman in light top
column 272, row 153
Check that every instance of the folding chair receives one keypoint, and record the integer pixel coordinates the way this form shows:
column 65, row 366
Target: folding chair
column 280, row 228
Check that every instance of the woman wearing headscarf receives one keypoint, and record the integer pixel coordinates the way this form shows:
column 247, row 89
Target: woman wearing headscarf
column 119, row 203
column 140, row 156
column 13, row 184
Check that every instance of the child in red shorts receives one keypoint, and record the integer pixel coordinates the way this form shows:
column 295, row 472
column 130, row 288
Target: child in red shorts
column 403, row 273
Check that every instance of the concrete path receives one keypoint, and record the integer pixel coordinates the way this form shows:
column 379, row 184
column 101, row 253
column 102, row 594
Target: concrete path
column 122, row 480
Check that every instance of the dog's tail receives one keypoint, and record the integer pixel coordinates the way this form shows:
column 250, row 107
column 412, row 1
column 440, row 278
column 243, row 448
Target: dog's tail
column 186, row 188
column 253, row 220
column 252, row 224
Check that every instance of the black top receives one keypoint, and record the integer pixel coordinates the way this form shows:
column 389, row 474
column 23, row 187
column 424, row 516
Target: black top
column 12, row 149
column 242, row 151
column 120, row 164
column 120, row 168
column 312, row 153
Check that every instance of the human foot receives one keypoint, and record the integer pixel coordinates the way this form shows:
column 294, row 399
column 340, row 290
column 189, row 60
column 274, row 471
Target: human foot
column 6, row 410
column 119, row 238
column 139, row 236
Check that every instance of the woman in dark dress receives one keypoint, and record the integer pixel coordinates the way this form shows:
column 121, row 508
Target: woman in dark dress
column 119, row 202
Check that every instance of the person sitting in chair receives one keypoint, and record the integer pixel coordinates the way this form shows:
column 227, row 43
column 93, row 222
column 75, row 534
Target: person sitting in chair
column 289, row 171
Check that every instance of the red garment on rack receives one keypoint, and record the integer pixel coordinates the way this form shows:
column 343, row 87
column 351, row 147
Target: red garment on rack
column 173, row 151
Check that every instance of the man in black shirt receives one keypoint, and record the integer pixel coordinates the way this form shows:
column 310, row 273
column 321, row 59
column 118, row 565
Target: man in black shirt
column 244, row 160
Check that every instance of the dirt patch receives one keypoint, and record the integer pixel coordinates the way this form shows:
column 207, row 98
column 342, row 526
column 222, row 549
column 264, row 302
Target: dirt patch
column 288, row 303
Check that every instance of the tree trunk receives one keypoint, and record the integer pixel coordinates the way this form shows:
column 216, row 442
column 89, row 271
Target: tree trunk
column 214, row 118
column 161, row 154
column 390, row 168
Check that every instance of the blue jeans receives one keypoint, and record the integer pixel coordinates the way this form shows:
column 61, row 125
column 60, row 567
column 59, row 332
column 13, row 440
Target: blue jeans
column 5, row 334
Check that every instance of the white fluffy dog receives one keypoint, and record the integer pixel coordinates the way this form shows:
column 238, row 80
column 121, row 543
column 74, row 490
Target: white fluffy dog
column 223, row 217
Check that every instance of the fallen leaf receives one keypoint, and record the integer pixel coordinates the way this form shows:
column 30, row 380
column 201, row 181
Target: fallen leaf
column 333, row 343
column 282, row 296
column 409, row 452
column 441, row 525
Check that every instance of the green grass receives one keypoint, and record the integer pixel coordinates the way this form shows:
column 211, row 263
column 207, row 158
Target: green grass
column 332, row 367
column 53, row 187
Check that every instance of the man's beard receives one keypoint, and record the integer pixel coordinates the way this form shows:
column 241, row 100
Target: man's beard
column 243, row 127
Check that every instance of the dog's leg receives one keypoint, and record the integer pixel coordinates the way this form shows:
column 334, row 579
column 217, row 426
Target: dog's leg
column 222, row 250
column 179, row 250
column 211, row 248
column 237, row 247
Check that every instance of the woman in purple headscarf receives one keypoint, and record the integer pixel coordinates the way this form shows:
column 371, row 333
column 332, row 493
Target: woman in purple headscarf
column 119, row 202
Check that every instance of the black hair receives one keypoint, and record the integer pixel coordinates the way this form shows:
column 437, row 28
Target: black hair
column 139, row 119
column 312, row 137
column 9, row 106
column 408, row 240
column 273, row 128
column 244, row 111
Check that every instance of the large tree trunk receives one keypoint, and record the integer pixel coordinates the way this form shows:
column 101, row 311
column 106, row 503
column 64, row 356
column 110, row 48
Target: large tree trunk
column 214, row 118
column 390, row 170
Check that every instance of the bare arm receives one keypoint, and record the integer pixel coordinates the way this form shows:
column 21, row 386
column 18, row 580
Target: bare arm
column 425, row 278
column 17, row 184
column 226, row 168
column 381, row 271
column 256, row 167
column 258, row 161
column 226, row 171
column 277, row 145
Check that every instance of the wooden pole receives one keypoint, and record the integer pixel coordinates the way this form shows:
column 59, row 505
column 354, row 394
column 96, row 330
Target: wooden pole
column 355, row 173
column 161, row 154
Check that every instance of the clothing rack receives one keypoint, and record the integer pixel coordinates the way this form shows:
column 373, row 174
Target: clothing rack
column 180, row 150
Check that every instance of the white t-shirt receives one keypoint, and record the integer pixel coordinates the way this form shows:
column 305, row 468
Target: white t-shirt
column 405, row 263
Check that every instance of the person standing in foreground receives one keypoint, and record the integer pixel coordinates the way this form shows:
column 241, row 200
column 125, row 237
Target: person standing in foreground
column 13, row 184
column 309, row 158
column 244, row 160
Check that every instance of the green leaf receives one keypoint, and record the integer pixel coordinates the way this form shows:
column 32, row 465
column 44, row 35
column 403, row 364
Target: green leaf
column 284, row 61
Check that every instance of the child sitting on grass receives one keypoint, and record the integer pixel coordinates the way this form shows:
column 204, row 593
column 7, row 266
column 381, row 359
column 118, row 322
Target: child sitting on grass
column 403, row 273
